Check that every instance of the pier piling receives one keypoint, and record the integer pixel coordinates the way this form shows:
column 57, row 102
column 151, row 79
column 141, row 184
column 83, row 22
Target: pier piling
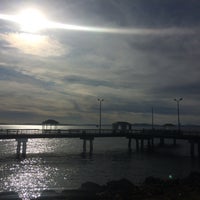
column 149, row 143
column 174, row 142
column 137, row 144
column 143, row 138
column 162, row 141
column 18, row 148
column 91, row 146
column 85, row 139
column 22, row 142
column 142, row 145
column 199, row 149
column 192, row 149
column 84, row 146
column 24, row 148
column 129, row 145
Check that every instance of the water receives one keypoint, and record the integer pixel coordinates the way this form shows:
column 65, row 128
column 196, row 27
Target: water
column 58, row 164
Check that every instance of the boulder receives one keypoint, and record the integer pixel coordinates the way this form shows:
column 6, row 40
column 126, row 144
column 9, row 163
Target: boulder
column 90, row 186
column 122, row 184
column 9, row 196
column 50, row 195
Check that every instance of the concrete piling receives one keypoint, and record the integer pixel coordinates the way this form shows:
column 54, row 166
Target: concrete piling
column 137, row 145
column 85, row 139
column 198, row 149
column 192, row 149
column 142, row 145
column 91, row 146
column 129, row 145
column 22, row 142
column 84, row 146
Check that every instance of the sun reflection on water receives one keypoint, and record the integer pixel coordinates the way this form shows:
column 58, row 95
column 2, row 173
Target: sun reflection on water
column 44, row 168
column 28, row 178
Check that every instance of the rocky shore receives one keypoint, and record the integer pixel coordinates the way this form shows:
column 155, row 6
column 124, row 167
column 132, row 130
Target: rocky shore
column 152, row 189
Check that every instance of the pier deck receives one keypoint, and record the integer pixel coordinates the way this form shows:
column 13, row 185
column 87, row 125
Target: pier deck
column 22, row 136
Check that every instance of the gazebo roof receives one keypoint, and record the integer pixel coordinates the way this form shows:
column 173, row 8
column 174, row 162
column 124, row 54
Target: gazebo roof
column 121, row 123
column 50, row 121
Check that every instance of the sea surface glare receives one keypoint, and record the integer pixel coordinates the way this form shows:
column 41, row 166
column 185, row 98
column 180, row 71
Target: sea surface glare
column 58, row 164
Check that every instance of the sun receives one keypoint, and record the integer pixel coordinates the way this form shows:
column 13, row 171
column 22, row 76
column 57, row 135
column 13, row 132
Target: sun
column 31, row 20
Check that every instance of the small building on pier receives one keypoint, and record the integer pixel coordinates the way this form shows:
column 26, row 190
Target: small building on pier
column 169, row 126
column 49, row 124
column 118, row 127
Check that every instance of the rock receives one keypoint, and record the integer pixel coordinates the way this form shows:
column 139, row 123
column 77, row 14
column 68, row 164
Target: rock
column 90, row 186
column 153, row 181
column 79, row 194
column 50, row 195
column 9, row 196
column 122, row 184
column 192, row 180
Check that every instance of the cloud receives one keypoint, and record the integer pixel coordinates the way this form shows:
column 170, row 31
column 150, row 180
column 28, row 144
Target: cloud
column 37, row 45
column 73, row 79
column 63, row 76
column 187, row 90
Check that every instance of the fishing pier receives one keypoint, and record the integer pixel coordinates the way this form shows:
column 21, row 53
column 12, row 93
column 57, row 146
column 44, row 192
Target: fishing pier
column 142, row 138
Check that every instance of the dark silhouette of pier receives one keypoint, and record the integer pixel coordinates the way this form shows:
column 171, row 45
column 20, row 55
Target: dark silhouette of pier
column 143, row 138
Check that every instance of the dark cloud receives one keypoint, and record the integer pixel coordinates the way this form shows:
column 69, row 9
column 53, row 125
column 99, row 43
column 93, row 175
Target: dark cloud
column 86, row 81
column 23, row 117
column 8, row 74
column 171, row 45
column 143, row 13
column 190, row 89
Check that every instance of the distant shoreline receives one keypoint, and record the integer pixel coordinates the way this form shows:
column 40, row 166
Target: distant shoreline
column 134, row 124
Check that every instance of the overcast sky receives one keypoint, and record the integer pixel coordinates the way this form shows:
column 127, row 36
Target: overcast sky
column 150, row 58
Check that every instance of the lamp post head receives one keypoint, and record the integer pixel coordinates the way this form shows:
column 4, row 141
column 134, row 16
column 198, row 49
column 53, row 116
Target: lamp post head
column 180, row 99
column 100, row 99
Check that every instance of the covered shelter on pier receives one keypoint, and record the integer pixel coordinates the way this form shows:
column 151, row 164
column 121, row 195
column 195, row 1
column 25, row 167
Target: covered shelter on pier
column 121, row 127
column 49, row 124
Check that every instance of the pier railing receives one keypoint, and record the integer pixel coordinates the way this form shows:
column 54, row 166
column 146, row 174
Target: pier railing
column 95, row 132
column 140, row 136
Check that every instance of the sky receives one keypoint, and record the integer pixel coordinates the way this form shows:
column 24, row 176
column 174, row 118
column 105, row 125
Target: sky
column 134, row 54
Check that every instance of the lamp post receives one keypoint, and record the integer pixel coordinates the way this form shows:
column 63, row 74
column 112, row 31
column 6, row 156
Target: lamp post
column 178, row 112
column 100, row 101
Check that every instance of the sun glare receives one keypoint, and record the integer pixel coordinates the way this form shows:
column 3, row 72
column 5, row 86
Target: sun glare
column 31, row 20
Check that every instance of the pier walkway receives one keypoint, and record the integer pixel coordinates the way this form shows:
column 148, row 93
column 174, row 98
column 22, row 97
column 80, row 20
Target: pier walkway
column 142, row 137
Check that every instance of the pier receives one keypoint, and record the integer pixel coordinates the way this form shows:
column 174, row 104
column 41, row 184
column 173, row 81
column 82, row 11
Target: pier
column 142, row 138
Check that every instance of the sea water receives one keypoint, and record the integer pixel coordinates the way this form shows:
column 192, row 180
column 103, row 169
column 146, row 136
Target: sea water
column 58, row 164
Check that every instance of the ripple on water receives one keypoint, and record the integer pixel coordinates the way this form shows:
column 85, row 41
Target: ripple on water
column 27, row 177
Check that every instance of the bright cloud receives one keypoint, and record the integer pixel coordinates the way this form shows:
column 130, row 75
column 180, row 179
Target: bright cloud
column 38, row 45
